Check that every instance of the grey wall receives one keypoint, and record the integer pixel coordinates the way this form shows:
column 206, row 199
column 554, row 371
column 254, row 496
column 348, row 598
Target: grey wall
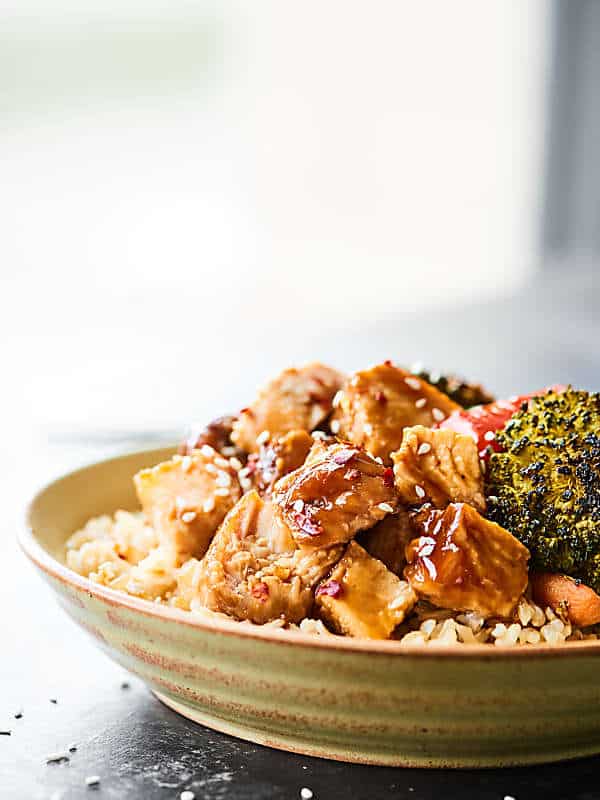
column 571, row 224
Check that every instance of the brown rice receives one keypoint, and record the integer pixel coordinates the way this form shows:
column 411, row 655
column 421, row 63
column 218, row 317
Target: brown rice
column 122, row 552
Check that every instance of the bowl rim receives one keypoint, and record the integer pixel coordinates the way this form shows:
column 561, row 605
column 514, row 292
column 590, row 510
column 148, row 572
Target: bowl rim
column 44, row 561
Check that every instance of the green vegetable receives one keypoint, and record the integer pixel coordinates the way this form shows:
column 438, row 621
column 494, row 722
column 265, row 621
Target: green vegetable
column 465, row 394
column 545, row 487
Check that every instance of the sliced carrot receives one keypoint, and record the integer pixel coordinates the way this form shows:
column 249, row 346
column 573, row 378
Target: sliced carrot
column 582, row 604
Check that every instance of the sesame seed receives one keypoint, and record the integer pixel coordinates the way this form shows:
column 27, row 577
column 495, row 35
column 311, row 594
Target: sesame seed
column 235, row 463
column 208, row 505
column 319, row 435
column 421, row 402
column 423, row 448
column 437, row 414
column 53, row 700
column 207, row 450
column 263, row 437
column 298, row 505
column 223, row 479
column 92, row 780
column 187, row 795
column 222, row 492
column 335, row 426
column 246, row 484
column 19, row 714
column 211, row 468
column 55, row 758
column 509, row 797
column 337, row 399
column 378, row 459
column 489, row 436
column 414, row 383
column 306, row 793
column 386, row 507
column 368, row 428
column 180, row 504
column 244, row 472
column 420, row 491
column 222, row 462
column 396, row 602
column 189, row 516
column 354, row 381
column 186, row 463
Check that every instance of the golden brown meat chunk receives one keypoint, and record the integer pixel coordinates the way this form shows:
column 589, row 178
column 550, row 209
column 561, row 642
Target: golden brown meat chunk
column 185, row 499
column 438, row 467
column 375, row 405
column 217, row 434
column 254, row 570
column 338, row 491
column 298, row 399
column 465, row 562
column 361, row 597
column 387, row 540
column 277, row 458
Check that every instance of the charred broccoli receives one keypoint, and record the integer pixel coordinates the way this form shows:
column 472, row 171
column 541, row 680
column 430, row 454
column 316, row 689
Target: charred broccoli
column 545, row 485
column 465, row 394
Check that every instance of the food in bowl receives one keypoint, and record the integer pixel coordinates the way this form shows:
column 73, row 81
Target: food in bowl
column 380, row 505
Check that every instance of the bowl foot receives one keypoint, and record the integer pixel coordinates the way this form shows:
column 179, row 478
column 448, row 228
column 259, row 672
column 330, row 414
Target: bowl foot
column 295, row 744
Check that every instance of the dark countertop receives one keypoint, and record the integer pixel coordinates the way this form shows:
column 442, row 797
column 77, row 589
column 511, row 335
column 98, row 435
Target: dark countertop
column 139, row 748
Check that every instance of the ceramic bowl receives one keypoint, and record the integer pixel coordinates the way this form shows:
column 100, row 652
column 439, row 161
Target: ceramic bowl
column 347, row 699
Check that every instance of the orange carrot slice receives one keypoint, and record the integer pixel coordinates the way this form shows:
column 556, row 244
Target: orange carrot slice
column 581, row 602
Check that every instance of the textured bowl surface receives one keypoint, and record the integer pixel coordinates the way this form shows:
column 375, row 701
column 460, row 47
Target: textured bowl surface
column 353, row 700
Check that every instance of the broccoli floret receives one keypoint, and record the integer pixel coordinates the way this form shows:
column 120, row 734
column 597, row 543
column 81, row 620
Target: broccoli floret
column 545, row 485
column 461, row 391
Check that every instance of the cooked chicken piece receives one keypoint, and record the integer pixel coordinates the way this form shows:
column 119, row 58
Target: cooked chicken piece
column 217, row 434
column 298, row 399
column 388, row 539
column 254, row 570
column 338, row 491
column 278, row 457
column 185, row 499
column 375, row 405
column 465, row 562
column 361, row 597
column 438, row 467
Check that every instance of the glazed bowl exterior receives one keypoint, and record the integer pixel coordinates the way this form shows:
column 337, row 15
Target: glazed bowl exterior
column 348, row 699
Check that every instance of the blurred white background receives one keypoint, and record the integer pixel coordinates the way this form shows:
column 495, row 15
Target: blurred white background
column 196, row 194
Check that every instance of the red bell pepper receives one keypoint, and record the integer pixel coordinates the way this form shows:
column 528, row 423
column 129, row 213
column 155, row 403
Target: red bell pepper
column 482, row 422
